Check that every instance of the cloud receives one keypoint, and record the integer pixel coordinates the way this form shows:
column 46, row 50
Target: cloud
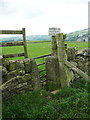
column 23, row 8
column 38, row 15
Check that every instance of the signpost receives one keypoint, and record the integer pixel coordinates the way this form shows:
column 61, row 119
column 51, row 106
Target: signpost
column 53, row 31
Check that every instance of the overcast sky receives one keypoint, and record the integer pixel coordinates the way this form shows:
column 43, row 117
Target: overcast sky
column 38, row 15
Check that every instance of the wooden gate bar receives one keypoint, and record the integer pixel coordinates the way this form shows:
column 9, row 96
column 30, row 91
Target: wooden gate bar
column 41, row 56
column 40, row 64
column 24, row 42
column 13, row 55
column 10, row 32
column 42, row 70
column 11, row 44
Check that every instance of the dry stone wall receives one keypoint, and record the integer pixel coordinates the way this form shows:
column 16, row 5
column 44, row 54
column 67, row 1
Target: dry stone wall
column 80, row 58
column 19, row 76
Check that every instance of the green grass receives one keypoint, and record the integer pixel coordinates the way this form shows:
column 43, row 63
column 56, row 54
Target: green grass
column 34, row 50
column 78, row 45
column 70, row 102
column 39, row 49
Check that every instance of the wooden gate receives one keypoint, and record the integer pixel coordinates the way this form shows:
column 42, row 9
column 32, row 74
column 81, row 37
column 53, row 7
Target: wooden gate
column 4, row 44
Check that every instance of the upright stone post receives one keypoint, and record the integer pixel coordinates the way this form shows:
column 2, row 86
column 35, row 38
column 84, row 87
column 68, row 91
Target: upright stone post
column 52, row 70
column 36, row 82
column 61, row 59
column 52, row 66
column 54, row 46
column 56, row 70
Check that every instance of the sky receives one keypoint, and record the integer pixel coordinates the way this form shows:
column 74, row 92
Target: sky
column 37, row 16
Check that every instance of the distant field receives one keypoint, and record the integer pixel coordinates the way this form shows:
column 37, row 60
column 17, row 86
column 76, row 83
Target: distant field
column 39, row 49
column 78, row 45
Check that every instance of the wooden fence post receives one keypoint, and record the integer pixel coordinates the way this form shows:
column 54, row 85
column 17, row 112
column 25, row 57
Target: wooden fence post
column 24, row 41
column 61, row 58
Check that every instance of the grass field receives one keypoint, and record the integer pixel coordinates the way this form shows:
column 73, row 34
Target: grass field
column 39, row 49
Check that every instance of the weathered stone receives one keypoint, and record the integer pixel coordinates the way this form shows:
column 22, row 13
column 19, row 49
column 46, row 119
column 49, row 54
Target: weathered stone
column 27, row 65
column 81, row 65
column 12, row 65
column 3, row 80
column 20, row 65
column 20, row 88
column 70, row 75
column 52, row 69
column 4, row 71
column 36, row 82
column 74, row 63
column 0, row 81
column 71, row 53
column 54, row 46
column 80, row 52
column 15, row 73
column 27, row 78
column 10, row 84
column 87, row 65
column 53, row 72
column 23, row 87
column 0, row 75
column 0, row 61
column 16, row 83
column 76, row 76
column 5, row 95
column 5, row 63
column 21, row 72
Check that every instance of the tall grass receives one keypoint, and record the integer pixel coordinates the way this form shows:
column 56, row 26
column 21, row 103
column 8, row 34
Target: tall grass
column 68, row 103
